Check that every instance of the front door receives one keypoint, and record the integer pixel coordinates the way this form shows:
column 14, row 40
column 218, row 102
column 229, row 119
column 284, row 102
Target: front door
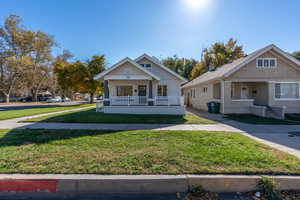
column 142, row 93
column 244, row 92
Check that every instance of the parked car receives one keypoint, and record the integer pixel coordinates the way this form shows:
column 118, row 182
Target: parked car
column 66, row 99
column 54, row 100
column 26, row 99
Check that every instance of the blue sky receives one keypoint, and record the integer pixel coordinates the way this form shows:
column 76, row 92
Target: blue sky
column 120, row 28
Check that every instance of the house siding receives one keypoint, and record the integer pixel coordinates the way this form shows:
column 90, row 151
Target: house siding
column 284, row 72
column 173, row 83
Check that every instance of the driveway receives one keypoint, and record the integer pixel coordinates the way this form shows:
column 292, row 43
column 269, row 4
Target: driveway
column 277, row 136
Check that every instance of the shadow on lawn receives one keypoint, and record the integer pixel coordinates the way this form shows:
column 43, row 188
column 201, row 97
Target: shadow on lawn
column 19, row 137
column 24, row 107
column 91, row 116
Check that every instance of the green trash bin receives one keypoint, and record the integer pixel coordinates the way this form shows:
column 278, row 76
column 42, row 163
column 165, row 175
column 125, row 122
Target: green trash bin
column 214, row 107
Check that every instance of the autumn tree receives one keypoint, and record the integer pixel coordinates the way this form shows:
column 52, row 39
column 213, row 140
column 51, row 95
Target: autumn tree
column 14, row 48
column 217, row 55
column 86, row 73
column 79, row 76
column 25, row 56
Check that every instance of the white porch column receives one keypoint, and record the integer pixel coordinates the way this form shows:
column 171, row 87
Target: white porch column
column 225, row 94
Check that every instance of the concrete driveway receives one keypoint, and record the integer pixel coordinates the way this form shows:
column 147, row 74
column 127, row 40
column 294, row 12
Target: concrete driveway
column 277, row 136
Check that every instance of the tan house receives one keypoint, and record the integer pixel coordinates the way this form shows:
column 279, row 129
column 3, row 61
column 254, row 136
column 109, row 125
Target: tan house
column 142, row 86
column 264, row 83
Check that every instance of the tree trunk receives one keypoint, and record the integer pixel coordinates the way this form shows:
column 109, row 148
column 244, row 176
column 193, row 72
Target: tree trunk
column 6, row 98
column 91, row 97
column 34, row 96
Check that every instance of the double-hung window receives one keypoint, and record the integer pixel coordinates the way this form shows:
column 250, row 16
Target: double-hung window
column 162, row 90
column 266, row 63
column 286, row 91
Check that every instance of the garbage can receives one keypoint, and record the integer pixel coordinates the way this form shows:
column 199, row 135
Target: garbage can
column 209, row 107
column 213, row 107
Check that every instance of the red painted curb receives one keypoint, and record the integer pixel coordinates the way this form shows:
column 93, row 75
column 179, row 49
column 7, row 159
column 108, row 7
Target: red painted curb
column 28, row 185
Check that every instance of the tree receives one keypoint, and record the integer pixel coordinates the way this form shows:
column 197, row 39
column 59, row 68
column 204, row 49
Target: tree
column 24, row 57
column 218, row 55
column 79, row 76
column 38, row 72
column 182, row 66
column 86, row 73
column 296, row 55
column 14, row 46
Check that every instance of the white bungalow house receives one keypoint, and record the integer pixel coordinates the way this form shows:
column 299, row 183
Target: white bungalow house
column 142, row 86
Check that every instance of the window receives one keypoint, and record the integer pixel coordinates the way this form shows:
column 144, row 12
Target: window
column 146, row 65
column 194, row 96
column 266, row 63
column 204, row 90
column 286, row 90
column 162, row 90
column 124, row 90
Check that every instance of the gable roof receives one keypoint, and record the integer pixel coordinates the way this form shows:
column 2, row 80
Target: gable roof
column 157, row 62
column 102, row 74
column 228, row 69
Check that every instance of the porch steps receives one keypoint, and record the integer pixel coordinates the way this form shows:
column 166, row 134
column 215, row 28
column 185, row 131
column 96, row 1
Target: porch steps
column 271, row 113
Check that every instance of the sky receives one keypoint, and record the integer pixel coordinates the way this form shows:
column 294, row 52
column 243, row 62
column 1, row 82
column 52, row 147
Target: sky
column 161, row 28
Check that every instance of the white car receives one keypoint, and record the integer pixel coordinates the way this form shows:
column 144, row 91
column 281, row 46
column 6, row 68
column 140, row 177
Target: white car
column 66, row 99
column 54, row 100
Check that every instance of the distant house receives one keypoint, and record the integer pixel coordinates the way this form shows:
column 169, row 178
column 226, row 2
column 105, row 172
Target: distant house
column 142, row 86
column 264, row 83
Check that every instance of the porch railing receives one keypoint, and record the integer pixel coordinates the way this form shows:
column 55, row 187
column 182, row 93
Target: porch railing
column 143, row 100
column 128, row 100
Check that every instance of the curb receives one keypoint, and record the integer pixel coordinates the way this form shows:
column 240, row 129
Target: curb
column 53, row 186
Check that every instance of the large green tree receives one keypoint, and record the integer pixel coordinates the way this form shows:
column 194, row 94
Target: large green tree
column 182, row 66
column 296, row 54
column 217, row 55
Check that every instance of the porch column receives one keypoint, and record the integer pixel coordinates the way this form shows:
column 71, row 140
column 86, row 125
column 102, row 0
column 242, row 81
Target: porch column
column 150, row 98
column 106, row 93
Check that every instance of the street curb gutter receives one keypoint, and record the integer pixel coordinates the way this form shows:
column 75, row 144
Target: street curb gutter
column 53, row 186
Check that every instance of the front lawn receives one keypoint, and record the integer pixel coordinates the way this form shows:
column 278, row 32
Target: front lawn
column 9, row 114
column 252, row 119
column 139, row 152
column 91, row 116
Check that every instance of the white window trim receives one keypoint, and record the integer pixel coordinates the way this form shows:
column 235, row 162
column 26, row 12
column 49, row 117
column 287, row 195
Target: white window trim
column 162, row 91
column 285, row 99
column 132, row 86
column 263, row 67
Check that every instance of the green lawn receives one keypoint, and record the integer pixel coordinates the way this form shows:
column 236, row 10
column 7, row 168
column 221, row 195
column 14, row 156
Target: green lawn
column 34, row 111
column 91, row 116
column 252, row 119
column 139, row 152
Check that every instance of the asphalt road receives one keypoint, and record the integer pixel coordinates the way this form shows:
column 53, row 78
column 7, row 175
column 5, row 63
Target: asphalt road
column 22, row 106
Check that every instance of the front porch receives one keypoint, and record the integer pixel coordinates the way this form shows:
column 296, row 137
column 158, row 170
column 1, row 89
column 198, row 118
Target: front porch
column 141, row 97
column 251, row 97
